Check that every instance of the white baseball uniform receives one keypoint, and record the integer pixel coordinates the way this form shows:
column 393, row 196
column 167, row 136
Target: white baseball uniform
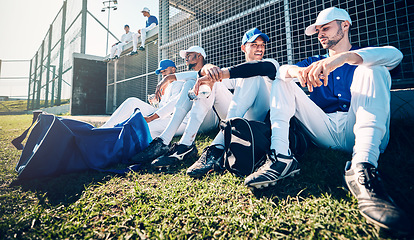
column 251, row 100
column 218, row 102
column 143, row 36
column 202, row 116
column 363, row 129
column 164, row 111
column 118, row 48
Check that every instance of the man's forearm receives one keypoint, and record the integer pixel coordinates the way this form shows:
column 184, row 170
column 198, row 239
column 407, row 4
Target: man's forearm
column 253, row 68
column 387, row 56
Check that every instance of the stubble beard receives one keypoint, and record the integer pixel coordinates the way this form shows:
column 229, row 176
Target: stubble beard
column 191, row 66
column 332, row 43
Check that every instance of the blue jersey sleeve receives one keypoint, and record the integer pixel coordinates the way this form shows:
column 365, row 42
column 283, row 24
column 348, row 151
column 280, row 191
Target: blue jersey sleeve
column 151, row 20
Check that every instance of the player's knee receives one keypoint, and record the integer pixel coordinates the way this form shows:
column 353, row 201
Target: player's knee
column 131, row 100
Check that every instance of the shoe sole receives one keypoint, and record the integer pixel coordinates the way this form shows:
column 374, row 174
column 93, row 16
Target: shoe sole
column 200, row 175
column 369, row 219
column 381, row 225
column 265, row 184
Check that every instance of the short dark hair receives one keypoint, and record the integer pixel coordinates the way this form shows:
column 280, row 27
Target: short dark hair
column 126, row 26
column 339, row 22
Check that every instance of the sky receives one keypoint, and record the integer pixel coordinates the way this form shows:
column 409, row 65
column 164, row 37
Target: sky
column 24, row 24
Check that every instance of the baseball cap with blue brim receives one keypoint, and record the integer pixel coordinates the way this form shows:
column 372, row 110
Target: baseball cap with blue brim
column 252, row 34
column 164, row 64
column 326, row 16
column 196, row 49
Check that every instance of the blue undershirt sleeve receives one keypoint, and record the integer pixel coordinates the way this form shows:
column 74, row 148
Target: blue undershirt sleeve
column 253, row 68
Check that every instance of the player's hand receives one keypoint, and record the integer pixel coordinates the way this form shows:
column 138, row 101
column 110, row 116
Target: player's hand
column 299, row 73
column 201, row 81
column 139, row 31
column 159, row 90
column 151, row 118
column 214, row 72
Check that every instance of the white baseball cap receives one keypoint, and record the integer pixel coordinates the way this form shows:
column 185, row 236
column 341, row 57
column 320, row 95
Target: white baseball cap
column 145, row 9
column 326, row 16
column 196, row 49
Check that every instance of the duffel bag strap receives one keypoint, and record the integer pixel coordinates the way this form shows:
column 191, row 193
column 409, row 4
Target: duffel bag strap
column 17, row 142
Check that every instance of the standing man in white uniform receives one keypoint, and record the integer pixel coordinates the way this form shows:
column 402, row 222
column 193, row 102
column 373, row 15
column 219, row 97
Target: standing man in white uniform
column 119, row 46
column 348, row 109
column 251, row 96
column 150, row 24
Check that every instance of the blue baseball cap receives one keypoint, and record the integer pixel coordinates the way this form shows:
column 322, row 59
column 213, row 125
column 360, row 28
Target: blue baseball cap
column 252, row 34
column 164, row 64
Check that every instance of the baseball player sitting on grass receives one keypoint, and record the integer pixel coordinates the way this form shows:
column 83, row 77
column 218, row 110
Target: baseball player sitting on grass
column 251, row 95
column 348, row 109
column 159, row 116
column 195, row 60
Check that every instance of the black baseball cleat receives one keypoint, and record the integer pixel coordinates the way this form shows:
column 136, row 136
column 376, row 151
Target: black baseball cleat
column 133, row 53
column 209, row 161
column 155, row 149
column 176, row 154
column 276, row 167
column 107, row 59
column 364, row 182
column 141, row 48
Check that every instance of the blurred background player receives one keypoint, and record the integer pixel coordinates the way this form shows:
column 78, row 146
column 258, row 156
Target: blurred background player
column 150, row 24
column 117, row 48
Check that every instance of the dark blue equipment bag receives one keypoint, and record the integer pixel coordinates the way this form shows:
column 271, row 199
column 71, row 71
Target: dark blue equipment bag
column 59, row 145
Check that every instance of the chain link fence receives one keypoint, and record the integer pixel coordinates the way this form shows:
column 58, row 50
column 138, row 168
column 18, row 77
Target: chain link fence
column 133, row 76
column 218, row 26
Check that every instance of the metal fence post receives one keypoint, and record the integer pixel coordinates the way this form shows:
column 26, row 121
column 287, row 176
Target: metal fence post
column 164, row 31
column 83, row 29
column 288, row 32
column 30, row 80
column 52, row 97
column 49, row 53
column 34, row 81
column 62, row 48
column 146, row 70
column 39, row 83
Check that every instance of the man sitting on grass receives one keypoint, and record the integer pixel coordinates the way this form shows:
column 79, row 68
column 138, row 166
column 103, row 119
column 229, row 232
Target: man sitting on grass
column 159, row 116
column 348, row 109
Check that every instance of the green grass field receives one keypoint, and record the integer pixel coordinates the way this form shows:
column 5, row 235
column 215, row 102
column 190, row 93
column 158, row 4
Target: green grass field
column 20, row 105
column 171, row 205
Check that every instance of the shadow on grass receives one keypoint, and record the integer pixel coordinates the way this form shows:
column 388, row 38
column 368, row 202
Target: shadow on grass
column 322, row 171
column 65, row 189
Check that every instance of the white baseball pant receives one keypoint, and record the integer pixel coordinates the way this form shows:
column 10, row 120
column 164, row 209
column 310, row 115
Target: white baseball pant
column 198, row 123
column 117, row 49
column 363, row 129
column 251, row 101
column 143, row 36
column 127, row 108
column 202, row 112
